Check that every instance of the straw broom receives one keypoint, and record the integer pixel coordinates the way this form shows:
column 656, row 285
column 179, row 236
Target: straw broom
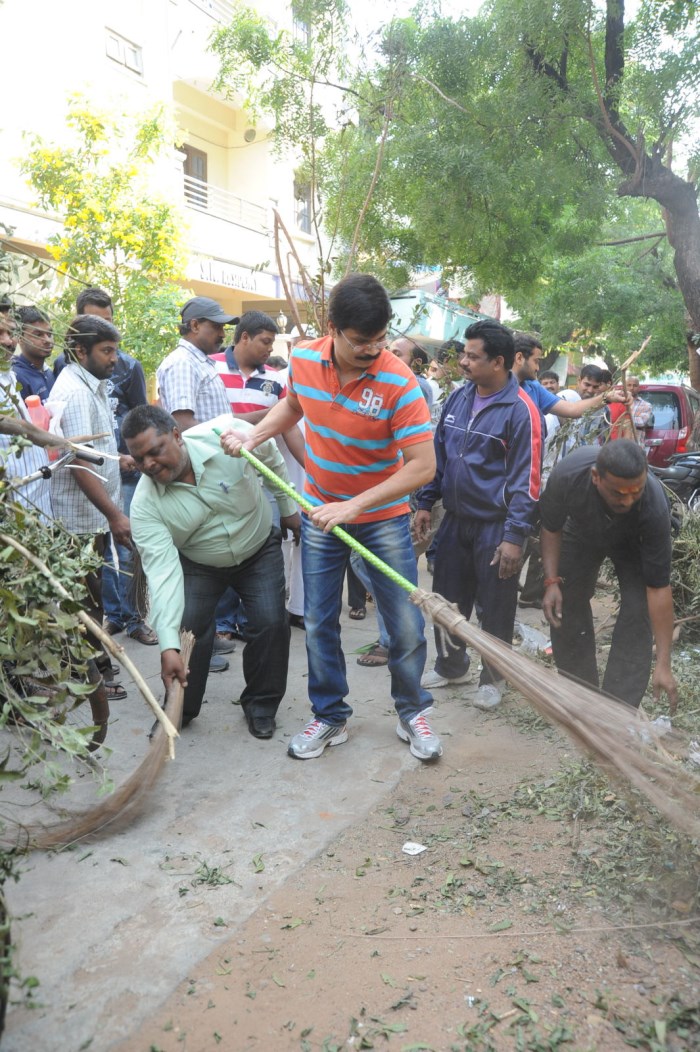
column 125, row 802
column 608, row 731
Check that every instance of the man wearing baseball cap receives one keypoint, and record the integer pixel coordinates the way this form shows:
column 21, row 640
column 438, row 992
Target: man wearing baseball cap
column 189, row 386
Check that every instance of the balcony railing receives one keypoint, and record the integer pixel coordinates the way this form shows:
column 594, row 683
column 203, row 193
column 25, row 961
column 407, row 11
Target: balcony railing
column 219, row 10
column 224, row 205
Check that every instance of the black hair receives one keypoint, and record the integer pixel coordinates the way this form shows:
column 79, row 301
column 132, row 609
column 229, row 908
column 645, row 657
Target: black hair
column 496, row 338
column 254, row 322
column 184, row 327
column 592, row 372
column 605, row 376
column 86, row 330
column 549, row 374
column 276, row 361
column 449, row 350
column 142, row 417
column 418, row 355
column 359, row 302
column 526, row 343
column 30, row 315
column 622, row 458
column 94, row 297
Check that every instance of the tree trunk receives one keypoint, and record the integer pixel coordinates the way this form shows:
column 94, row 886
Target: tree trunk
column 678, row 199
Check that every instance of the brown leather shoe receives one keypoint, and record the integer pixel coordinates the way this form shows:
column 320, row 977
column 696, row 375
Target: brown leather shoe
column 144, row 635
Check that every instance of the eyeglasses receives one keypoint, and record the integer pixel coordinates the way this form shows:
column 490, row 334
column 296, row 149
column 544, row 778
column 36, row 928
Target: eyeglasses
column 366, row 345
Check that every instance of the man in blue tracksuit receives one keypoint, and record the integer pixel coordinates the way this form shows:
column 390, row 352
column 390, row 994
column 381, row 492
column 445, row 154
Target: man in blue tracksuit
column 488, row 447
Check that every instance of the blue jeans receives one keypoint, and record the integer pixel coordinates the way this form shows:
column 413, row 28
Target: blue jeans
column 260, row 583
column 360, row 570
column 230, row 614
column 464, row 575
column 324, row 560
column 116, row 587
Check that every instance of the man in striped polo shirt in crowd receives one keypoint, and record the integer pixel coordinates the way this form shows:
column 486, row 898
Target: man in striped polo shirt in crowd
column 368, row 444
column 252, row 387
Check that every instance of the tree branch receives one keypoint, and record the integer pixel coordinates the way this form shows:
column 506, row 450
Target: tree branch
column 373, row 182
column 540, row 66
column 617, row 135
column 629, row 240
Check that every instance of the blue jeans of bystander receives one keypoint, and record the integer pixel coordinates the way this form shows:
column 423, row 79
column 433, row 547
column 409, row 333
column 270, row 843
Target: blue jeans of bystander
column 116, row 587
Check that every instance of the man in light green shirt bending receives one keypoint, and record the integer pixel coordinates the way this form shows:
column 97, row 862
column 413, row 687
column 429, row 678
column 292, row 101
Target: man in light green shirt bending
column 201, row 523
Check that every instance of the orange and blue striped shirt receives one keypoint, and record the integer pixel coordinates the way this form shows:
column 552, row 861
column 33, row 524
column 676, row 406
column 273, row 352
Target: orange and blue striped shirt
column 355, row 435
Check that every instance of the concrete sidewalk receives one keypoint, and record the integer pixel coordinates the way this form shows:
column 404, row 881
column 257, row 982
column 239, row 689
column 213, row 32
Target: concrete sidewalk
column 112, row 925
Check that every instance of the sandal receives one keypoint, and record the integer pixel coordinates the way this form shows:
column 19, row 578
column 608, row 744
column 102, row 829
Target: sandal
column 358, row 613
column 115, row 692
column 374, row 657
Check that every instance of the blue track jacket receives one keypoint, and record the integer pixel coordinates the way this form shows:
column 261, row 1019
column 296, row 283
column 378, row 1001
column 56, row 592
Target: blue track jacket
column 489, row 468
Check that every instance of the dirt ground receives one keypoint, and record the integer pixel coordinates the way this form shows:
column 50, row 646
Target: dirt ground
column 498, row 936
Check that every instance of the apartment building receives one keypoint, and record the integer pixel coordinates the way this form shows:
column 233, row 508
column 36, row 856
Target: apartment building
column 132, row 53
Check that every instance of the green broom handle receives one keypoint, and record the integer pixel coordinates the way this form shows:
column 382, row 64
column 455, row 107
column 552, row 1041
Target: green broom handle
column 339, row 532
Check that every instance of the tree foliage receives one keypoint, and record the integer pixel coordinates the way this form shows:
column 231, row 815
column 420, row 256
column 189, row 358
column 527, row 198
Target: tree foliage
column 513, row 139
column 118, row 232
column 613, row 294
column 292, row 77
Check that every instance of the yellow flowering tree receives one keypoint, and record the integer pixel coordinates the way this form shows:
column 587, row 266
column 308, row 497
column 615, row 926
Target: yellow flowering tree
column 119, row 232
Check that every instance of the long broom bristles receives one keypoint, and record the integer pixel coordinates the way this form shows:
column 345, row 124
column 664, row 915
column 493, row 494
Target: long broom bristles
column 126, row 800
column 610, row 732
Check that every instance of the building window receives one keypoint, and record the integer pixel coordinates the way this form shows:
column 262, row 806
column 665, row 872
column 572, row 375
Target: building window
column 195, row 172
column 124, row 52
column 302, row 31
column 302, row 206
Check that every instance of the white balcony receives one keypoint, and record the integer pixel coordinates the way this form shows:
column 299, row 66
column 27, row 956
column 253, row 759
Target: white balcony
column 203, row 197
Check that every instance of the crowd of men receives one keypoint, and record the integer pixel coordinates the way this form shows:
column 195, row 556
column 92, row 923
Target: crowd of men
column 227, row 554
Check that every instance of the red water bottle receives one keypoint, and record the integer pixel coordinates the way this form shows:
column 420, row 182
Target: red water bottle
column 40, row 416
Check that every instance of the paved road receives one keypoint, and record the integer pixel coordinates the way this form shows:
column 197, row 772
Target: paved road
column 113, row 925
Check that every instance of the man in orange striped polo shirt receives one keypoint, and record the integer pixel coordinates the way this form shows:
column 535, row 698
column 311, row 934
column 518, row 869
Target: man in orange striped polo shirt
column 368, row 445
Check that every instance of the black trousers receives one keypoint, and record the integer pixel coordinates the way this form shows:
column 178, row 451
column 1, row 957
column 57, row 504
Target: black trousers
column 463, row 575
column 260, row 583
column 629, row 662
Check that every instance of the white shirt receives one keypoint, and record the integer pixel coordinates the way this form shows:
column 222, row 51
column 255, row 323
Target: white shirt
column 87, row 411
column 36, row 495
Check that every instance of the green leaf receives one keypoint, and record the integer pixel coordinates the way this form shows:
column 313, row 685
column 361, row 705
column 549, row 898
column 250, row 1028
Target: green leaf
column 501, row 925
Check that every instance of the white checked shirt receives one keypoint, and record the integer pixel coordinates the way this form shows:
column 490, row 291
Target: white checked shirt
column 87, row 411
column 187, row 379
column 35, row 495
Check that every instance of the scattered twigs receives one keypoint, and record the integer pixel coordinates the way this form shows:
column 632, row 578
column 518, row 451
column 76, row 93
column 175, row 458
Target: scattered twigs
column 125, row 801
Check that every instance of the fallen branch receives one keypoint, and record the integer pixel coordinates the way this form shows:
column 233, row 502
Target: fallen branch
column 104, row 637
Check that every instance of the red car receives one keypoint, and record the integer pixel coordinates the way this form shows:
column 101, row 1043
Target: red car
column 675, row 406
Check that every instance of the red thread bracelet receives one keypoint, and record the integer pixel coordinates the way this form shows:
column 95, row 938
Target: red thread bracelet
column 553, row 580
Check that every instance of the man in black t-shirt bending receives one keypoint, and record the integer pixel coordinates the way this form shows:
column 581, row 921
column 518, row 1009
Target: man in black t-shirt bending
column 598, row 503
